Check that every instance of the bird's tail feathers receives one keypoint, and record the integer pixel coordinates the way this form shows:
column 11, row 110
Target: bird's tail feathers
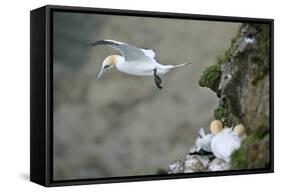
column 180, row 65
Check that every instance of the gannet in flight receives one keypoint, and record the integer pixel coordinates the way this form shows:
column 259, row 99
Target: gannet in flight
column 134, row 61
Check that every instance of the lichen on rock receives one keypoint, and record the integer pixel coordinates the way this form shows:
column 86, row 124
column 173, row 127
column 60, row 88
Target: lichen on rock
column 198, row 163
column 176, row 167
column 218, row 165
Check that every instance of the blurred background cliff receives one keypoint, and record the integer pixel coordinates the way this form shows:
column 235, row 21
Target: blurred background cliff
column 122, row 125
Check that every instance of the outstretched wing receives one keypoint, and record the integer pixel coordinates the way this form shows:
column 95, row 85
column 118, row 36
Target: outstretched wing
column 129, row 52
column 149, row 52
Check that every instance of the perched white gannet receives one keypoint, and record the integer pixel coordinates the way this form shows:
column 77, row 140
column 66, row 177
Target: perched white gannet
column 203, row 142
column 134, row 61
column 227, row 141
column 240, row 130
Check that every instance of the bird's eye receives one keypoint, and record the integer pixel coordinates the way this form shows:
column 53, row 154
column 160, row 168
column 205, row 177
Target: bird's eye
column 106, row 66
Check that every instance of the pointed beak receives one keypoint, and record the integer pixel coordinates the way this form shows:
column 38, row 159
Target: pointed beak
column 101, row 73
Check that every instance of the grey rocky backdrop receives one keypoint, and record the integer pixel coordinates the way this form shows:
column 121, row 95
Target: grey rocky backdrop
column 242, row 84
column 122, row 125
column 241, row 80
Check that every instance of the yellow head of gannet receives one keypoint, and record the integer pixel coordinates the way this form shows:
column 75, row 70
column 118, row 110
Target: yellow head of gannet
column 240, row 130
column 216, row 126
column 109, row 62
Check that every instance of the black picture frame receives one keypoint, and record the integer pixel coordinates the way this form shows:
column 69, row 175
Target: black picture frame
column 41, row 100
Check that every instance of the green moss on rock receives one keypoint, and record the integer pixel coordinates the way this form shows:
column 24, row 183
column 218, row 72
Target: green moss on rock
column 224, row 58
column 211, row 77
column 241, row 158
column 222, row 114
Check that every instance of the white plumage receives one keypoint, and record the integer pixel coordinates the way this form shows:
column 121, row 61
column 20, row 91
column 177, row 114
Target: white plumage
column 203, row 141
column 225, row 143
column 134, row 61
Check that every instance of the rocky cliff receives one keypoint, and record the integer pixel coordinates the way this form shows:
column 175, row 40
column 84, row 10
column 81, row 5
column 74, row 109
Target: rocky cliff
column 241, row 81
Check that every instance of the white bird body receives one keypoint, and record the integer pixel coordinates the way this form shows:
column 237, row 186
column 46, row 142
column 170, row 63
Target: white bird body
column 225, row 143
column 134, row 61
column 143, row 68
column 204, row 141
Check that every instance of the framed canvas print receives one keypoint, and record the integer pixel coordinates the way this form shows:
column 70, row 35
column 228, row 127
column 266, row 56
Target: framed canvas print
column 119, row 95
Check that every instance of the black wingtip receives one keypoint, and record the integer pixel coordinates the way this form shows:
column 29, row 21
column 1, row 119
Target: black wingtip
column 102, row 42
column 93, row 44
column 201, row 152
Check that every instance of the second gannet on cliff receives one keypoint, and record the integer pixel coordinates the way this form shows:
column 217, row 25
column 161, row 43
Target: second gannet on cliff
column 227, row 141
column 134, row 61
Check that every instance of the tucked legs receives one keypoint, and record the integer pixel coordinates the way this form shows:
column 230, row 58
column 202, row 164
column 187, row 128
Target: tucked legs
column 157, row 79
